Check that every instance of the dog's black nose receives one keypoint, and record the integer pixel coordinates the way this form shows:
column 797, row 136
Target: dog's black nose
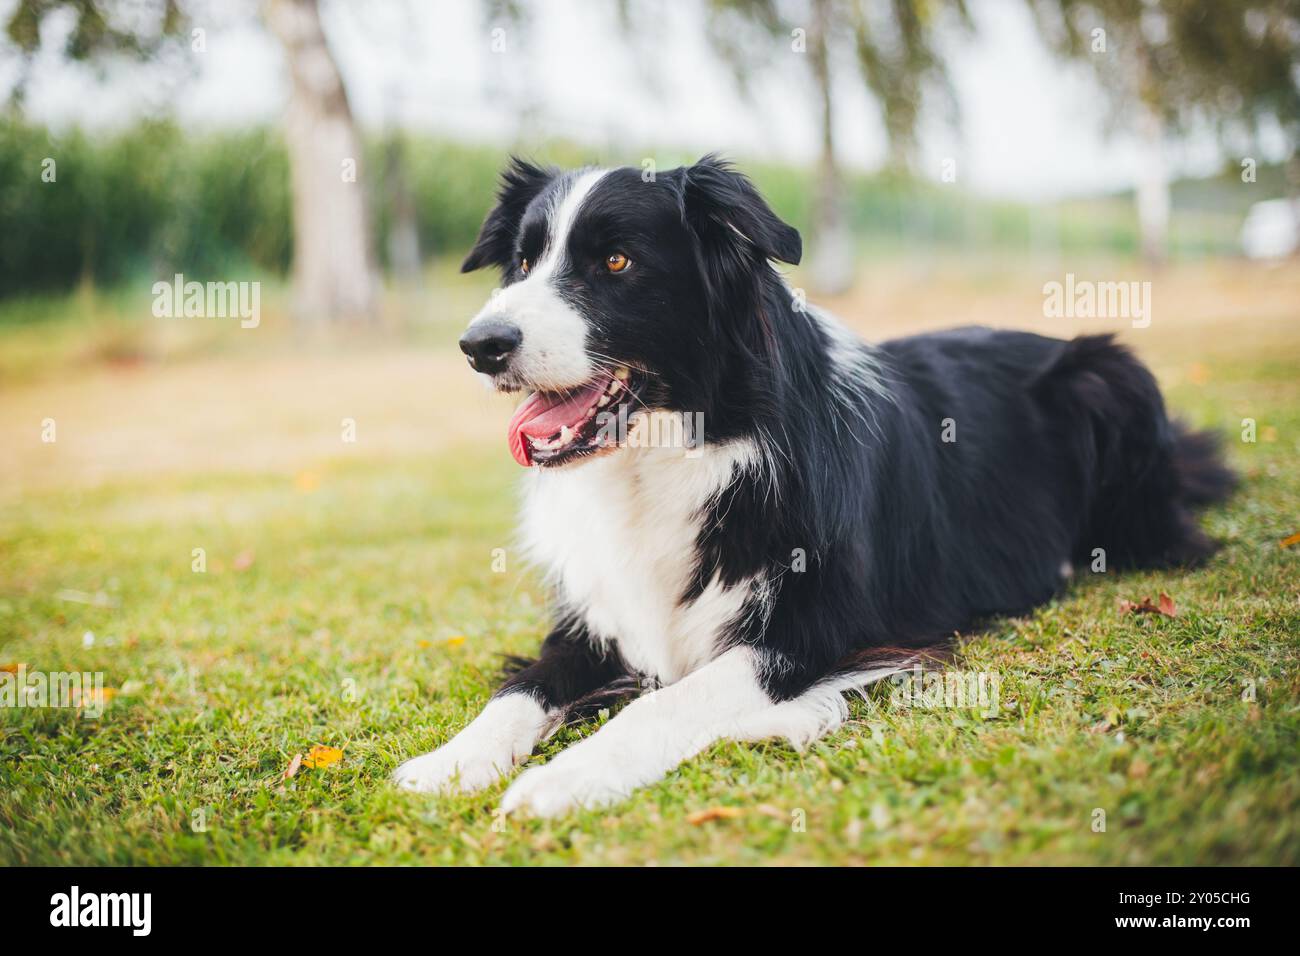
column 489, row 344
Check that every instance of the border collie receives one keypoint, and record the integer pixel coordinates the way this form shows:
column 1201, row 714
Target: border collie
column 847, row 508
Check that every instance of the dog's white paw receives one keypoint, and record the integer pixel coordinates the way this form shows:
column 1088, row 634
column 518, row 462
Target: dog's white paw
column 449, row 768
column 548, row 792
column 571, row 780
column 501, row 736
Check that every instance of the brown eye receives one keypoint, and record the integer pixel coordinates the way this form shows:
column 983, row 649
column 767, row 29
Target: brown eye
column 523, row 266
column 617, row 262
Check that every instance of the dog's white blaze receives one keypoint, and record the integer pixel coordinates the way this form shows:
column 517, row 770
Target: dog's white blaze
column 504, row 733
column 553, row 352
column 617, row 536
column 562, row 215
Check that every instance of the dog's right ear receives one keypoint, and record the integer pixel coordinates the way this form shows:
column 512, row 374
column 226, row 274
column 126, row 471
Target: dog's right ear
column 521, row 181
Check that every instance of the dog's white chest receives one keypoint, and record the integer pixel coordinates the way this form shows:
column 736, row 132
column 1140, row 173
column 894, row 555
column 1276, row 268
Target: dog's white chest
column 617, row 537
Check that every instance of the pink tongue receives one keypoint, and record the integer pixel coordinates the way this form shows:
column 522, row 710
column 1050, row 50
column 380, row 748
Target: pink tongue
column 543, row 414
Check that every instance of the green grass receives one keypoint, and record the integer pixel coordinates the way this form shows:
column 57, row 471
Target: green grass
column 342, row 631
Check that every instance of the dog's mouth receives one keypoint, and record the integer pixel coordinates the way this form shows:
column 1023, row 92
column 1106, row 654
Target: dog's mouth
column 556, row 428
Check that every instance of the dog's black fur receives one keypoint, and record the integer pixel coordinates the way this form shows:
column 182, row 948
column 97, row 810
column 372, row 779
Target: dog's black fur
column 1061, row 447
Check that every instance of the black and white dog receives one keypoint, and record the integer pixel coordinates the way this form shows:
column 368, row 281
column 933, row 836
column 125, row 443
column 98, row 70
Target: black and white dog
column 846, row 509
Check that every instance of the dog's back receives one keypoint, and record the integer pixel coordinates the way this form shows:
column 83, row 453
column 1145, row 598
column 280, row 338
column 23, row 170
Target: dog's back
column 1029, row 452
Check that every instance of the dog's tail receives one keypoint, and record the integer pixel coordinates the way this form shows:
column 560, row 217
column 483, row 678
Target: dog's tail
column 1203, row 478
column 1146, row 475
column 866, row 667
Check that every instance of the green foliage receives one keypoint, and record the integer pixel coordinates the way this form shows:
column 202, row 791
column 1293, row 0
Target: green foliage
column 149, row 199
column 97, row 29
column 152, row 199
column 451, row 185
column 895, row 47
column 1233, row 63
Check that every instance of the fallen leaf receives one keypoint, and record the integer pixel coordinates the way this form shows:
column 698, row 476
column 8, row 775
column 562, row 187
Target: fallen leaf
column 424, row 643
column 243, row 561
column 455, row 641
column 713, row 813
column 10, row 668
column 292, row 769
column 1287, row 542
column 322, row 756
column 88, row 698
column 1166, row 606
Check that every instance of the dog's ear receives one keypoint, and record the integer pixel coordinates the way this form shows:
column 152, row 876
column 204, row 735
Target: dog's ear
column 520, row 183
column 730, row 218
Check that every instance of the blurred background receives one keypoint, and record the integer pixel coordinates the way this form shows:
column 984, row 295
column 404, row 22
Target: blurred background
column 295, row 528
column 943, row 158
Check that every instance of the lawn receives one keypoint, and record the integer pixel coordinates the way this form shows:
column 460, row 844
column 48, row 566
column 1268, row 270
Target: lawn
column 350, row 597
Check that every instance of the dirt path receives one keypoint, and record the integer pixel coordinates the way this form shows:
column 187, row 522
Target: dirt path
column 279, row 413
column 284, row 412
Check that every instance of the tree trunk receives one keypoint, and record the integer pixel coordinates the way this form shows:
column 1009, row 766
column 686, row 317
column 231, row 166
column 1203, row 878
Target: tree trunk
column 1291, row 170
column 403, row 228
column 831, row 261
column 1153, row 190
column 334, row 273
column 1153, row 180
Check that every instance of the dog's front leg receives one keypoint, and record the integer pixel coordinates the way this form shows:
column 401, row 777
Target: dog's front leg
column 652, row 735
column 505, row 732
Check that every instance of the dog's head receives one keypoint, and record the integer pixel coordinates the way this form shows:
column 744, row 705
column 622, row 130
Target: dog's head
column 621, row 292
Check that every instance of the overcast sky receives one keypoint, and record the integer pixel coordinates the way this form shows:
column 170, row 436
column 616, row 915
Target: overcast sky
column 1031, row 127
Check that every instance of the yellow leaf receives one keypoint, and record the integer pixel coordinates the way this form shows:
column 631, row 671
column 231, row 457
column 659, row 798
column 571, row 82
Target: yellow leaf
column 455, row 641
column 91, row 697
column 1286, row 543
column 424, row 643
column 713, row 813
column 10, row 668
column 322, row 756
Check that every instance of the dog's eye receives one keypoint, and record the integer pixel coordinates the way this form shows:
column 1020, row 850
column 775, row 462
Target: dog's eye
column 617, row 262
column 523, row 266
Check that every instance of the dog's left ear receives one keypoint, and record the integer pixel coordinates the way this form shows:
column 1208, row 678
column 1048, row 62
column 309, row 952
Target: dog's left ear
column 725, row 210
column 521, row 181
